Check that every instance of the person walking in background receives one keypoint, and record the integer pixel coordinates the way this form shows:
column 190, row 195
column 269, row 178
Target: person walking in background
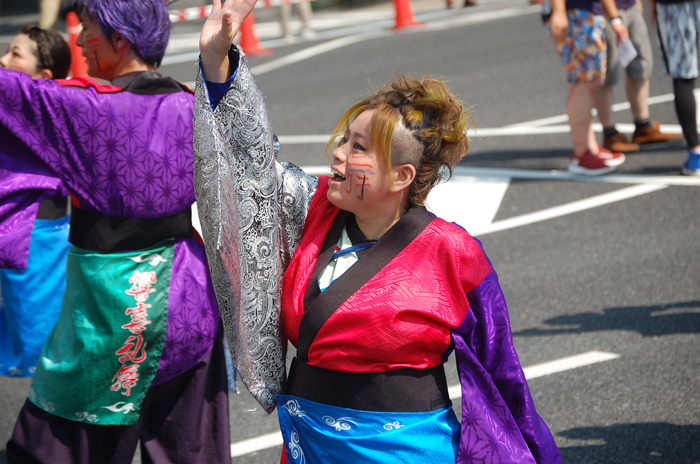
column 577, row 29
column 48, row 13
column 305, row 15
column 637, row 73
column 31, row 298
column 137, row 352
column 679, row 32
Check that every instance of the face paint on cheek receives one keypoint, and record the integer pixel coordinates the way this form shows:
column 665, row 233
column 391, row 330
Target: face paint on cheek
column 91, row 45
column 361, row 172
column 362, row 190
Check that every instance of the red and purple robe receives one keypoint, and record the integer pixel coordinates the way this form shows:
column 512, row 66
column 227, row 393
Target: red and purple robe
column 423, row 288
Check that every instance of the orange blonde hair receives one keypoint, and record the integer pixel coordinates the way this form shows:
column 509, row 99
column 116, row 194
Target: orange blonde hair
column 436, row 119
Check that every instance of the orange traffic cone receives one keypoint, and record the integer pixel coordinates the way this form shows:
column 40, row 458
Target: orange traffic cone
column 78, row 65
column 249, row 39
column 404, row 14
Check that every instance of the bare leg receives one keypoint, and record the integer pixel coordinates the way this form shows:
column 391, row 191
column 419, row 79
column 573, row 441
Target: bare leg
column 285, row 15
column 603, row 103
column 305, row 14
column 48, row 13
column 579, row 104
column 638, row 96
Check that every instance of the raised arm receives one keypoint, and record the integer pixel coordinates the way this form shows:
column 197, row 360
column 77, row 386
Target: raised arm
column 221, row 26
column 252, row 209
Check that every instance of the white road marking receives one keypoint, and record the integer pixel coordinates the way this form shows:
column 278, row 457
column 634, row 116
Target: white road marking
column 318, row 50
column 500, row 173
column 471, row 202
column 553, row 367
column 568, row 208
column 480, row 132
column 251, row 445
column 564, row 175
column 567, row 363
column 473, row 196
column 378, row 29
column 551, row 125
column 303, row 139
column 557, row 129
column 270, row 440
column 482, row 17
column 369, row 35
column 562, row 118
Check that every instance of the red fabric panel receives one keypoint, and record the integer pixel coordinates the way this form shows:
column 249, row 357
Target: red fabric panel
column 85, row 82
column 404, row 315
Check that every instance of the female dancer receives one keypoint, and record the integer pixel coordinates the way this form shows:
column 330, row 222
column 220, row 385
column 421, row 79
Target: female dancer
column 32, row 297
column 374, row 291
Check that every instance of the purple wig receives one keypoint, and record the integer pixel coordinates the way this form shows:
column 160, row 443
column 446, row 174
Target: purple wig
column 144, row 24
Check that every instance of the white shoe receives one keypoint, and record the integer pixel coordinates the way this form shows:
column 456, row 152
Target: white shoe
column 308, row 34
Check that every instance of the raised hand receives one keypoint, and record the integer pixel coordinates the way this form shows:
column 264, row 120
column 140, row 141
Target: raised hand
column 218, row 32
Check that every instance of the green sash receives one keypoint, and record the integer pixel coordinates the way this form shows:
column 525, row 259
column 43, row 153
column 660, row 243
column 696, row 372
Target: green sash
column 102, row 356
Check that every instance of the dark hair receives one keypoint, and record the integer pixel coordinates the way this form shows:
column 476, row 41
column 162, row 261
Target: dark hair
column 144, row 24
column 52, row 51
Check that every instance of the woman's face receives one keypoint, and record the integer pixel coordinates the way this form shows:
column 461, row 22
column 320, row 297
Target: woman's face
column 360, row 179
column 21, row 56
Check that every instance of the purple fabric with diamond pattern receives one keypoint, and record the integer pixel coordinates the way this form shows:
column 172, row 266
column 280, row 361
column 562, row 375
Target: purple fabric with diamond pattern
column 193, row 314
column 499, row 420
column 119, row 154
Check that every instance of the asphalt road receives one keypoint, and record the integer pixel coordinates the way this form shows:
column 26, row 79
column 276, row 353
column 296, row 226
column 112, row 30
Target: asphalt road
column 620, row 277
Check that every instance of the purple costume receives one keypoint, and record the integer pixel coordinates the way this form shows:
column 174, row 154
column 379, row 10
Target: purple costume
column 119, row 154
column 124, row 153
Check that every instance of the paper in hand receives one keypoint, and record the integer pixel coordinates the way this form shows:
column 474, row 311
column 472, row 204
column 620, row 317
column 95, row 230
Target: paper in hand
column 627, row 52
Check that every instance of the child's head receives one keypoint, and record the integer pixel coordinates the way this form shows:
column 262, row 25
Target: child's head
column 39, row 53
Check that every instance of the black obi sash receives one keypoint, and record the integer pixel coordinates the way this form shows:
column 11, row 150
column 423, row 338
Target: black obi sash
column 111, row 234
column 52, row 208
column 401, row 390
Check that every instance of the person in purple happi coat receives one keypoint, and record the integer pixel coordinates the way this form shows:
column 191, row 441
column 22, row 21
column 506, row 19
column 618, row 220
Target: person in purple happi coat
column 137, row 353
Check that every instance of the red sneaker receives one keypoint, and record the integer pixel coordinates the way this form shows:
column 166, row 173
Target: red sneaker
column 610, row 158
column 589, row 164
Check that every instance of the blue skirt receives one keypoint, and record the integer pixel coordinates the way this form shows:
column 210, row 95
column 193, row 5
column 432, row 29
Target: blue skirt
column 31, row 299
column 315, row 433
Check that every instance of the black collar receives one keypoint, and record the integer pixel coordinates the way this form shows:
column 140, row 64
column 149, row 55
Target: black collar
column 148, row 83
column 320, row 306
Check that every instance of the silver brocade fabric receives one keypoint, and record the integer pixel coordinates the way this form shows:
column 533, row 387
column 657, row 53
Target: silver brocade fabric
column 252, row 210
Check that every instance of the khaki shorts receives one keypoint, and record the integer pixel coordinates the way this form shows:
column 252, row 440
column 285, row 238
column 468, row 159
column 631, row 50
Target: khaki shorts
column 642, row 66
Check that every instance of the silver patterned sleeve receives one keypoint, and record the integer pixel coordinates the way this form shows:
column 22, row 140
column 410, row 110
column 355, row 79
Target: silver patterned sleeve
column 252, row 210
